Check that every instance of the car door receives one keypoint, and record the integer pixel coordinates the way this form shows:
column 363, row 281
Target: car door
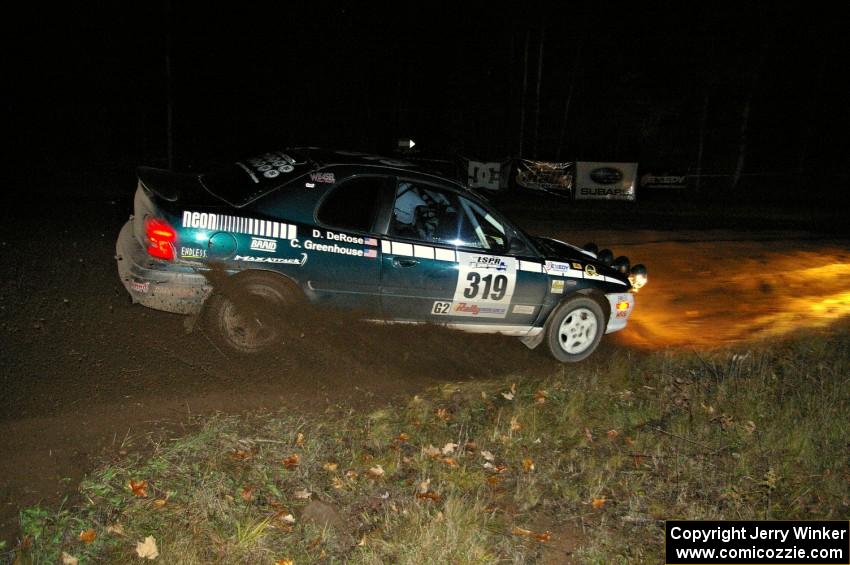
column 343, row 255
column 440, row 264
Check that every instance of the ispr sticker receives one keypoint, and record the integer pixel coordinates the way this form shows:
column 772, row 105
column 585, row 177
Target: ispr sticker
column 485, row 285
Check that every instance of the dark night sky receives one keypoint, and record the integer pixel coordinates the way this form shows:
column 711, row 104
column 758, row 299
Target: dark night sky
column 88, row 86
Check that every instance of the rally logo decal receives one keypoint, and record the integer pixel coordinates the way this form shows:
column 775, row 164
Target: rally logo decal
column 485, row 285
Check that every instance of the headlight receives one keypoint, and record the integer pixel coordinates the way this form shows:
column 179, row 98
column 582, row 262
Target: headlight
column 638, row 277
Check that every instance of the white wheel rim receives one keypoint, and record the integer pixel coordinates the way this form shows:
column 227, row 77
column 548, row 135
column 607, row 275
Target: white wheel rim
column 578, row 331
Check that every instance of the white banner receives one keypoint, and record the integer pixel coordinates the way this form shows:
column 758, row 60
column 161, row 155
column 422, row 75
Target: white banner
column 605, row 181
column 487, row 175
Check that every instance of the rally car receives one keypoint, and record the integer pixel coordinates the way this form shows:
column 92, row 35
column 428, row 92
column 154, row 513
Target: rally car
column 352, row 230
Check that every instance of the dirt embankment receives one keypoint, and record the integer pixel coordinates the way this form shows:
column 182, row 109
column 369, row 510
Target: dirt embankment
column 85, row 373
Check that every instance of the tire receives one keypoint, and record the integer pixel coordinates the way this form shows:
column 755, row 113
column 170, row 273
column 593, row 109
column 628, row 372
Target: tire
column 575, row 329
column 247, row 315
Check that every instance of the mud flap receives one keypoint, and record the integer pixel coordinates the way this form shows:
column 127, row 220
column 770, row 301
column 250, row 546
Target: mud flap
column 532, row 341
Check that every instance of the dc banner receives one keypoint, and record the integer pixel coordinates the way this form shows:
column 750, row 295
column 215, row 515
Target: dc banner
column 757, row 542
column 489, row 175
column 546, row 176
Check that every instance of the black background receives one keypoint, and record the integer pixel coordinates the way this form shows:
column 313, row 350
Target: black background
column 87, row 90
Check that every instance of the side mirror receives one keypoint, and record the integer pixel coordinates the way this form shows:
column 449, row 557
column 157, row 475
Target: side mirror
column 516, row 245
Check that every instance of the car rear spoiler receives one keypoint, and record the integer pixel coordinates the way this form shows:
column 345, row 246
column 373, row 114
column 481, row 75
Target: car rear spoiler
column 168, row 185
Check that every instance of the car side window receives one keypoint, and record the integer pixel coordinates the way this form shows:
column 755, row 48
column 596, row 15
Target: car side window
column 353, row 204
column 432, row 215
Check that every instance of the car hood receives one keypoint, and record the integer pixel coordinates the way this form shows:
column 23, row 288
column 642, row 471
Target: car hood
column 556, row 250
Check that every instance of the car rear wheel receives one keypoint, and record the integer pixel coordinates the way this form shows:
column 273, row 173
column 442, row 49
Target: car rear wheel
column 575, row 329
column 248, row 315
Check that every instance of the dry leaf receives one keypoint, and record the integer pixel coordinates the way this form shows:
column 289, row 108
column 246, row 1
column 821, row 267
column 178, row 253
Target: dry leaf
column 515, row 425
column 540, row 396
column 139, row 488
column 629, row 441
column 487, row 455
column 68, row 559
column 750, row 427
column 543, row 538
column 331, row 467
column 494, row 480
column 430, row 495
column 598, row 502
column 160, row 502
column 508, row 395
column 402, row 437
column 88, row 536
column 431, row 451
column 351, row 475
column 442, row 414
column 527, row 465
column 284, row 562
column 243, row 454
column 424, row 486
column 708, row 408
column 362, row 541
column 299, row 439
column 292, row 461
column 376, row 472
column 612, row 434
column 287, row 519
column 588, row 435
column 248, row 494
column 337, row 483
column 450, row 461
column 147, row 549
column 116, row 529
column 302, row 494
column 449, row 448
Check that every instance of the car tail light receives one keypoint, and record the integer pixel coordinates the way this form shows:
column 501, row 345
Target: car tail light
column 161, row 238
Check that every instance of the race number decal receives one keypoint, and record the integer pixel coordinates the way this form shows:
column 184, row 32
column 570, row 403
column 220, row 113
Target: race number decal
column 485, row 285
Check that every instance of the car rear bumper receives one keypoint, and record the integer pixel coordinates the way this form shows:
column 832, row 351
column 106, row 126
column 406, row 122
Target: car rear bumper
column 158, row 284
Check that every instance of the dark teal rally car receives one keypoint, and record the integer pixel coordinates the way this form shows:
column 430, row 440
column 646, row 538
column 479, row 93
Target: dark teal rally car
column 352, row 230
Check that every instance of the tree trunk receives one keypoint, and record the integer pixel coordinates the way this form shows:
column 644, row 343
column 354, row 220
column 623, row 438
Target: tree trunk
column 701, row 145
column 537, row 94
column 522, row 95
column 745, row 115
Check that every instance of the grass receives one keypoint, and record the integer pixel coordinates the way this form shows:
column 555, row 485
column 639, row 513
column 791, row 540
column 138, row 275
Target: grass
column 582, row 467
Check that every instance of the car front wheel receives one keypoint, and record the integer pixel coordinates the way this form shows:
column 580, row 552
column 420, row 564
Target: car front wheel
column 575, row 329
column 248, row 315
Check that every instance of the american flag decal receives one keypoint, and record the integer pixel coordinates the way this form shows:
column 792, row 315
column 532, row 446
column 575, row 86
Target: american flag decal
column 371, row 253
column 370, row 241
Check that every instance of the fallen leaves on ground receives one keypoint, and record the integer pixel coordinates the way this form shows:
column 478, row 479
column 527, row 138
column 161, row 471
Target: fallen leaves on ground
column 527, row 465
column 139, row 488
column 543, row 538
column 239, row 454
column 541, row 396
column 284, row 562
column 330, row 467
column 68, row 559
column 302, row 494
column 292, row 461
column 612, row 434
column 116, row 529
column 88, row 536
column 247, row 494
column 598, row 502
column 376, row 472
column 443, row 414
column 515, row 425
column 147, row 549
column 449, row 448
column 487, row 455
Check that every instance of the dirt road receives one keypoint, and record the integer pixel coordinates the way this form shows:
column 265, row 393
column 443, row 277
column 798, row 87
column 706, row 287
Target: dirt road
column 85, row 373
